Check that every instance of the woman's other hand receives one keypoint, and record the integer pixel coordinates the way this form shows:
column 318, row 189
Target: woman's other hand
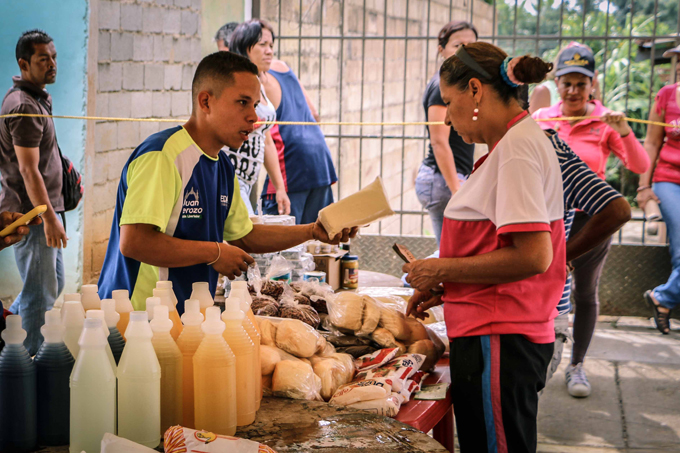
column 617, row 121
column 423, row 275
column 420, row 302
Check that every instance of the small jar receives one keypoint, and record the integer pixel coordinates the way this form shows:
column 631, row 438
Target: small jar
column 350, row 271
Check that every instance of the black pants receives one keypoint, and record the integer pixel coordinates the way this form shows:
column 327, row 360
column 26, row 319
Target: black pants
column 495, row 380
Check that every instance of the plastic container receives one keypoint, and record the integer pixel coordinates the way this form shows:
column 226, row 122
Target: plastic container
column 93, row 391
column 246, row 362
column 116, row 341
column 245, row 295
column 201, row 292
column 89, row 297
column 170, row 359
column 252, row 328
column 151, row 303
column 188, row 343
column 72, row 318
column 350, row 271
column 168, row 299
column 18, row 399
column 99, row 314
column 139, row 385
column 70, row 297
column 214, row 379
column 123, row 307
column 53, row 364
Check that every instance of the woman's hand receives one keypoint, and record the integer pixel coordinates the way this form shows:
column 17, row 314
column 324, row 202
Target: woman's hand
column 616, row 120
column 423, row 275
column 283, row 202
column 420, row 302
column 644, row 196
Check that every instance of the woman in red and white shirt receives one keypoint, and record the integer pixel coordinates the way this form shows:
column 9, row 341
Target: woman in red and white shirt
column 502, row 258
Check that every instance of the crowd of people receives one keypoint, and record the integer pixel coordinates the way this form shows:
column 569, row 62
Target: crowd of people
column 520, row 231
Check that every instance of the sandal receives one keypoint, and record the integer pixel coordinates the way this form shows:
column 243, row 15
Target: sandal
column 662, row 319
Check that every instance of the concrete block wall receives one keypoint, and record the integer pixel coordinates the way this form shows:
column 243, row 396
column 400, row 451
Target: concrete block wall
column 145, row 56
column 392, row 93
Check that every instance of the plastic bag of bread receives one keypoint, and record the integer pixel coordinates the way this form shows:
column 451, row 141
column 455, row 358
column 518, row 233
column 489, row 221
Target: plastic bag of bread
column 385, row 339
column 395, row 322
column 370, row 317
column 264, row 306
column 417, row 331
column 324, row 348
column 346, row 311
column 387, row 407
column 269, row 357
column 267, row 331
column 426, row 348
column 295, row 379
column 355, row 392
column 397, row 296
column 333, row 372
column 185, row 440
column 297, row 338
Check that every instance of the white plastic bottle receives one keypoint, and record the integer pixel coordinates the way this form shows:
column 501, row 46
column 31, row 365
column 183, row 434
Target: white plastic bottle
column 151, row 303
column 201, row 292
column 93, row 391
column 99, row 314
column 123, row 307
column 68, row 298
column 139, row 385
column 89, row 297
column 72, row 318
column 167, row 298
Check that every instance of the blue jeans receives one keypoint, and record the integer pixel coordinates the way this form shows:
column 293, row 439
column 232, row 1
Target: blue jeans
column 668, row 294
column 304, row 205
column 434, row 195
column 42, row 270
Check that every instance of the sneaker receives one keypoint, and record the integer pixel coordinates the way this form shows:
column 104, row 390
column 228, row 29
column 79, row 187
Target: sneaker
column 577, row 382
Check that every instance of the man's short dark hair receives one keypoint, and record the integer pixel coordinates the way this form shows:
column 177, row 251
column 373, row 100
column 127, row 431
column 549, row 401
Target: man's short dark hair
column 225, row 31
column 26, row 44
column 247, row 35
column 220, row 67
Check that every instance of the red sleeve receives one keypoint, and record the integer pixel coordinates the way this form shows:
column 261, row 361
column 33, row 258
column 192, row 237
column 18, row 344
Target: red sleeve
column 629, row 150
column 661, row 98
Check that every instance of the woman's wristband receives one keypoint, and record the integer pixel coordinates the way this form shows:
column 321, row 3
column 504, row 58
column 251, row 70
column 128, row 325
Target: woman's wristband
column 219, row 254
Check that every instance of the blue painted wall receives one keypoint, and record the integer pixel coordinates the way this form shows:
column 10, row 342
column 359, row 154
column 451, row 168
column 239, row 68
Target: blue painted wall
column 67, row 22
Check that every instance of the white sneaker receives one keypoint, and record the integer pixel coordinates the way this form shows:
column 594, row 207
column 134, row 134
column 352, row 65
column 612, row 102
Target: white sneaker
column 577, row 382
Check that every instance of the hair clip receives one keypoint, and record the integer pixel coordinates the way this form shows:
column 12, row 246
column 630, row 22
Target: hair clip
column 508, row 71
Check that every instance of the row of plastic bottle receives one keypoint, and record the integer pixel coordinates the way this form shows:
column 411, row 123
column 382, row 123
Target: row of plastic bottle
column 208, row 379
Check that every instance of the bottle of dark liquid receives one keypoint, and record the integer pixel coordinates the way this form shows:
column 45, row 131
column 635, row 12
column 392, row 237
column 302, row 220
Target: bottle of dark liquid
column 116, row 340
column 18, row 403
column 53, row 364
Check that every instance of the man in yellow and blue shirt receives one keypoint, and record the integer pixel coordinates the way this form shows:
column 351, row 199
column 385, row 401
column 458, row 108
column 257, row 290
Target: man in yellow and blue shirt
column 178, row 197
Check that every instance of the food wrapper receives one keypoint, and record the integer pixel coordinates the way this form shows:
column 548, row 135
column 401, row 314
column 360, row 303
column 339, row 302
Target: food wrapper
column 295, row 379
column 376, row 359
column 355, row 392
column 254, row 278
column 354, row 211
column 398, row 371
column 185, row 440
column 387, row 407
column 115, row 444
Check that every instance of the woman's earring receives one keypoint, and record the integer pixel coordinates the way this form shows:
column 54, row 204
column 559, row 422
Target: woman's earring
column 475, row 112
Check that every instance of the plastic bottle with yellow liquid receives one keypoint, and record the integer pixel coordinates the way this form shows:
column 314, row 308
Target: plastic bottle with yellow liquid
column 89, row 297
column 214, row 379
column 139, row 385
column 170, row 358
column 123, row 307
column 251, row 328
column 247, row 391
column 99, row 314
column 167, row 295
column 188, row 343
column 201, row 292
column 72, row 318
column 241, row 285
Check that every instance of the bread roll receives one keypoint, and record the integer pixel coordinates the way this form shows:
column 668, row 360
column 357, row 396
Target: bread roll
column 370, row 318
column 296, row 379
column 346, row 311
column 395, row 322
column 297, row 338
column 269, row 357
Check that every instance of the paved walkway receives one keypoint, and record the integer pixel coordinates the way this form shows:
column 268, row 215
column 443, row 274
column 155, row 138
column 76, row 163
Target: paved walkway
column 635, row 404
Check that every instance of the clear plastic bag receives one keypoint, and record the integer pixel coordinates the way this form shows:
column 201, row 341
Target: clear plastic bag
column 334, row 371
column 355, row 392
column 387, row 407
column 279, row 267
column 295, row 379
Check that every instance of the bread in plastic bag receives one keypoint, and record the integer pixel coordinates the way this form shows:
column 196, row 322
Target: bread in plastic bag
column 395, row 322
column 426, row 348
column 333, row 372
column 387, row 407
column 385, row 339
column 417, row 330
column 370, row 317
column 297, row 338
column 267, row 332
column 185, row 440
column 346, row 311
column 269, row 357
column 295, row 379
column 355, row 392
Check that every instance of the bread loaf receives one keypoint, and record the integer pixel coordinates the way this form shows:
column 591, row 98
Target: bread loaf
column 370, row 318
column 297, row 338
column 347, row 311
column 296, row 379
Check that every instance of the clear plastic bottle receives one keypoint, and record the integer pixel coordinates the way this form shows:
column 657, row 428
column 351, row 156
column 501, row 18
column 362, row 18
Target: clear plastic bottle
column 151, row 303
column 214, row 379
column 188, row 343
column 89, row 297
column 251, row 327
column 99, row 314
column 93, row 391
column 72, row 318
column 170, row 360
column 116, row 341
column 53, row 364
column 168, row 299
column 139, row 385
column 123, row 307
column 18, row 400
column 201, row 292
column 247, row 391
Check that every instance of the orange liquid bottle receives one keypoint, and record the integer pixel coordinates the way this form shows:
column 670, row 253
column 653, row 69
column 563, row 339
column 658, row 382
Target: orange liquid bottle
column 188, row 343
column 214, row 379
column 123, row 307
column 201, row 292
column 168, row 299
column 251, row 328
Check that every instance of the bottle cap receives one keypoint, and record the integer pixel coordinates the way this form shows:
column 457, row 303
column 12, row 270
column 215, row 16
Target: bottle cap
column 14, row 333
column 241, row 295
column 196, row 286
column 192, row 313
column 150, row 303
column 213, row 325
column 138, row 327
column 165, row 297
column 92, row 335
column 161, row 321
column 164, row 284
column 71, row 296
column 122, row 298
column 232, row 308
column 72, row 314
column 88, row 289
column 58, row 311
column 52, row 330
column 98, row 314
column 243, row 286
column 120, row 294
column 239, row 284
column 111, row 316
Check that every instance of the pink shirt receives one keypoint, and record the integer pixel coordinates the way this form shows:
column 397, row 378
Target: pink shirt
column 593, row 141
column 668, row 166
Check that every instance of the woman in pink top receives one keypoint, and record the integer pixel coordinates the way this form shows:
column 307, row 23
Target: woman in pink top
column 593, row 140
column 664, row 144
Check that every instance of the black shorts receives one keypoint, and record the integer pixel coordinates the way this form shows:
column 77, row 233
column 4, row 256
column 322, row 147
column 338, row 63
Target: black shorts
column 495, row 380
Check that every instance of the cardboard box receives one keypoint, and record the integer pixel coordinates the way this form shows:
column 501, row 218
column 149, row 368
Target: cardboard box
column 330, row 264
